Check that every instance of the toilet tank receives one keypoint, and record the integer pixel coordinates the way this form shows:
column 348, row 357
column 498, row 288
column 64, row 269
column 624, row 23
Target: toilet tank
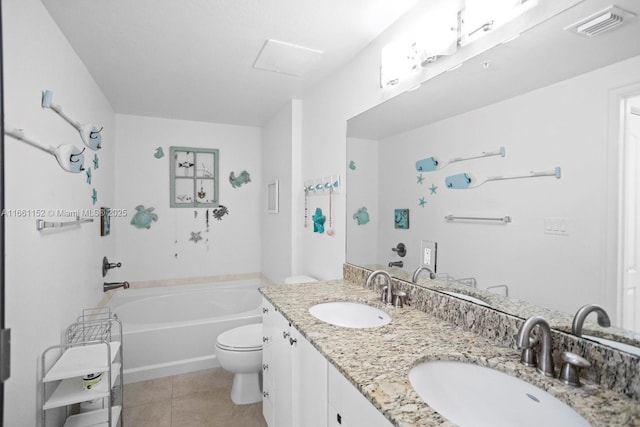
column 299, row 279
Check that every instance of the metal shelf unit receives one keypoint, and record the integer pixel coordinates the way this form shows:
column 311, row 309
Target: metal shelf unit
column 92, row 347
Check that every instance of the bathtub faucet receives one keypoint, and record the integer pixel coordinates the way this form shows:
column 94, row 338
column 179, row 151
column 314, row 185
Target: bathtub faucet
column 107, row 286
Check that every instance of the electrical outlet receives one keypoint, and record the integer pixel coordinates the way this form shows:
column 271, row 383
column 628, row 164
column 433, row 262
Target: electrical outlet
column 429, row 254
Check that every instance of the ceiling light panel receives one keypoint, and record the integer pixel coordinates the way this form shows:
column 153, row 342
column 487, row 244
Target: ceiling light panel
column 286, row 58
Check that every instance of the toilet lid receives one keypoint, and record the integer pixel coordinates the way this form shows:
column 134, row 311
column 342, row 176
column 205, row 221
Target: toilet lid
column 242, row 338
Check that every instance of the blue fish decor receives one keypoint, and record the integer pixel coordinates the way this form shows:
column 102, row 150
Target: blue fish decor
column 237, row 181
column 318, row 221
column 159, row 153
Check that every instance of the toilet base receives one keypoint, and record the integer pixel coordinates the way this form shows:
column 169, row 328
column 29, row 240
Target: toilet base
column 246, row 389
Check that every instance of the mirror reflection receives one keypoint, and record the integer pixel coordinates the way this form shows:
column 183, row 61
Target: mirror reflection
column 548, row 225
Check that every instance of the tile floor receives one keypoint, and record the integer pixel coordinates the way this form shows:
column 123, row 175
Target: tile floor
column 196, row 399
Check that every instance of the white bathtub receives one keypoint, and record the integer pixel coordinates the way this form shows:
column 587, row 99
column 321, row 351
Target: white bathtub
column 173, row 329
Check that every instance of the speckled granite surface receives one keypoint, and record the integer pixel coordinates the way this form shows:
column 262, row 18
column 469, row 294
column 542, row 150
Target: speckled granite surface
column 377, row 361
column 610, row 368
column 556, row 319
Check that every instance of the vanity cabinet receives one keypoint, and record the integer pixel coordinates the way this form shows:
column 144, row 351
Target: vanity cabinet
column 294, row 375
column 347, row 407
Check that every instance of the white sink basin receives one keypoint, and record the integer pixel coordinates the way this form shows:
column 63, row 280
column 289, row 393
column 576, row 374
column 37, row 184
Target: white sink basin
column 350, row 314
column 471, row 395
column 465, row 297
column 615, row 344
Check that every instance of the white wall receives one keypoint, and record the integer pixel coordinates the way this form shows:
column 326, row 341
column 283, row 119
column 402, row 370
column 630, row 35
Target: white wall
column 277, row 163
column 50, row 276
column 564, row 125
column 352, row 90
column 164, row 251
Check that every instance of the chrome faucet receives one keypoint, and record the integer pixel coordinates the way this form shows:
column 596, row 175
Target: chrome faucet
column 545, row 360
column 416, row 273
column 583, row 312
column 107, row 286
column 388, row 296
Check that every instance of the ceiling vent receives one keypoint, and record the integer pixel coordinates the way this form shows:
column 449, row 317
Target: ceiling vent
column 600, row 22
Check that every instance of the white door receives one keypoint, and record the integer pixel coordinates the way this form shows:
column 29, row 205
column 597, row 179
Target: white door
column 631, row 223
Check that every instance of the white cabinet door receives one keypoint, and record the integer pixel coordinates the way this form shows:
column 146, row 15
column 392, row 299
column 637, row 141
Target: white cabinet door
column 309, row 383
column 294, row 376
column 347, row 407
column 268, row 357
column 282, row 380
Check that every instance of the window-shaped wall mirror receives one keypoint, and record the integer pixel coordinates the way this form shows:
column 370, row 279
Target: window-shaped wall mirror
column 194, row 177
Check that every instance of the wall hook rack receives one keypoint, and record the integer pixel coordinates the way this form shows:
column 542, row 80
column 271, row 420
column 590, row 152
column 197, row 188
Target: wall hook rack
column 90, row 134
column 70, row 157
column 431, row 164
column 321, row 186
column 466, row 180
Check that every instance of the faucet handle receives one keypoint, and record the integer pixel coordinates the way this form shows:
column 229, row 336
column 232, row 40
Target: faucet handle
column 569, row 372
column 528, row 356
column 400, row 298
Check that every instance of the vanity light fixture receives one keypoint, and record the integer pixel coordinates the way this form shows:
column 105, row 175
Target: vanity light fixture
column 442, row 31
column 479, row 17
column 399, row 59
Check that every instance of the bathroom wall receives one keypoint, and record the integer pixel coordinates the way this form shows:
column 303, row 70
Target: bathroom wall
column 363, row 177
column 353, row 89
column 564, row 125
column 165, row 250
column 53, row 274
column 281, row 161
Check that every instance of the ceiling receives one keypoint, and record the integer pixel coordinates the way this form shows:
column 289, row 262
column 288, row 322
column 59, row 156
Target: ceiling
column 193, row 59
column 541, row 56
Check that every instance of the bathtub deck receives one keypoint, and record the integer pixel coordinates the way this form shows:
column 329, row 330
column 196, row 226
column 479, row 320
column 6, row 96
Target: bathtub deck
column 196, row 399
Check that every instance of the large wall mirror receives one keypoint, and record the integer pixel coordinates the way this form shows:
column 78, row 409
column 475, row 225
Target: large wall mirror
column 551, row 101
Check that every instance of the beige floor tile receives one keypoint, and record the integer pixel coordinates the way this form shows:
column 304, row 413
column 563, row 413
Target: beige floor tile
column 206, row 380
column 249, row 416
column 197, row 399
column 155, row 414
column 202, row 409
column 144, row 392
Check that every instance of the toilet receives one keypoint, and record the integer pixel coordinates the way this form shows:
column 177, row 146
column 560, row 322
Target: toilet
column 239, row 351
column 298, row 279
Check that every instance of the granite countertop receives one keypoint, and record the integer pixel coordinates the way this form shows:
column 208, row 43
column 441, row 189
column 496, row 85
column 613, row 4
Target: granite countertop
column 556, row 319
column 377, row 360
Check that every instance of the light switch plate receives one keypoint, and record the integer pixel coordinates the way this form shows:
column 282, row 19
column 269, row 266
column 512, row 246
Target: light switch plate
column 558, row 226
column 429, row 254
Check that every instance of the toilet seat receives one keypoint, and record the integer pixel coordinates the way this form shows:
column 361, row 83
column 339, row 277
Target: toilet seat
column 242, row 338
